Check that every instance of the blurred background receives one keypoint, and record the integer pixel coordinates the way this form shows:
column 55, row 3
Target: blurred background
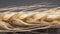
column 11, row 3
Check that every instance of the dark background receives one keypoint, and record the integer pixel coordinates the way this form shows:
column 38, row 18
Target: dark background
column 10, row 3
